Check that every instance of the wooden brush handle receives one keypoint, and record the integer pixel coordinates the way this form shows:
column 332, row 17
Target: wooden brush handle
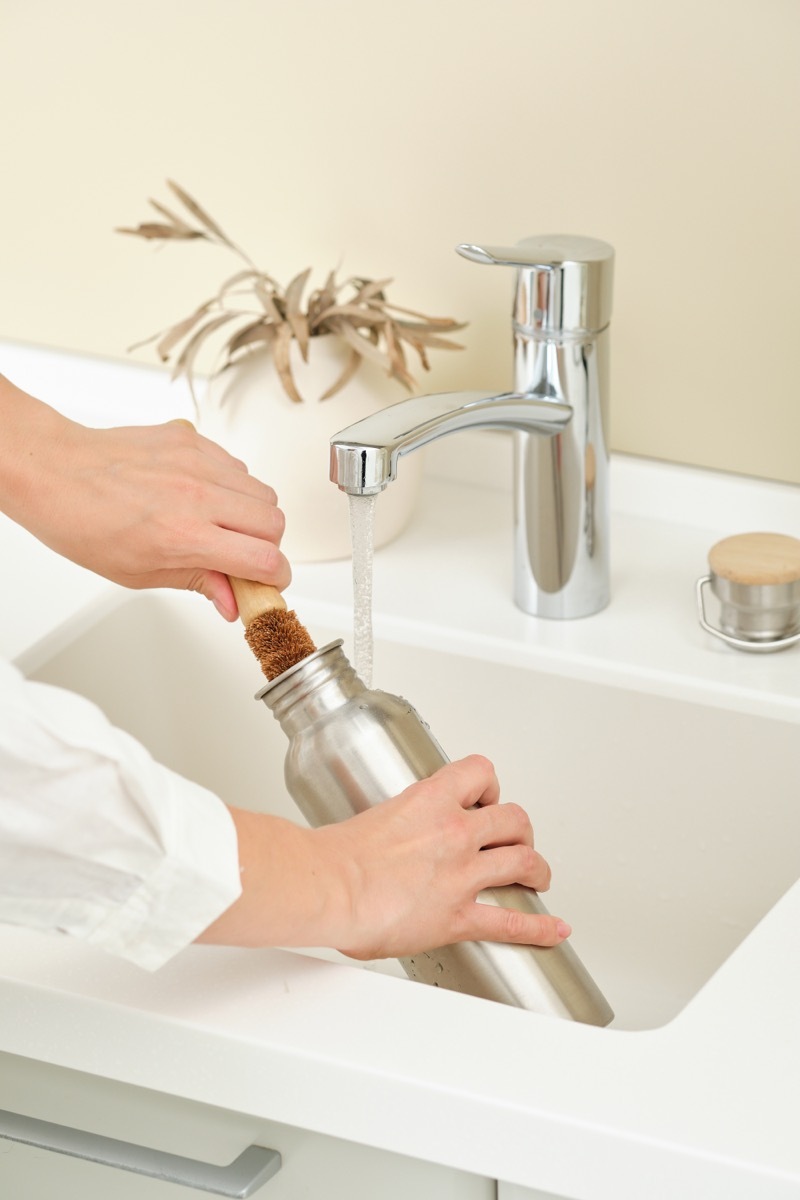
column 255, row 598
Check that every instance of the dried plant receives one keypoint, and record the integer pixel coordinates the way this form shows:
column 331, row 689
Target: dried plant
column 259, row 312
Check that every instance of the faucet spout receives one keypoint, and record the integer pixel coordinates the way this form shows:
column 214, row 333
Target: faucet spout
column 364, row 455
column 558, row 415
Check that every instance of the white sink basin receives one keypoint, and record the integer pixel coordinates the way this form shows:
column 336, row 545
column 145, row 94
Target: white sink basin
column 671, row 827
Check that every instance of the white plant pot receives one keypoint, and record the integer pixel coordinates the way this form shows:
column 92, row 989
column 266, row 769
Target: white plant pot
column 287, row 444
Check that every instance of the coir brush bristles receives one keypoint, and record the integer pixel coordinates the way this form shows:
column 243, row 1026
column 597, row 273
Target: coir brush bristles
column 273, row 632
column 278, row 640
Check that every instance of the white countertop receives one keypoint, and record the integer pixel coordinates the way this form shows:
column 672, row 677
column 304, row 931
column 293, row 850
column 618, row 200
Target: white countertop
column 706, row 1106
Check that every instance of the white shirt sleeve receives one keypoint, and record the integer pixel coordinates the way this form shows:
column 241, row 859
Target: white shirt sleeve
column 99, row 841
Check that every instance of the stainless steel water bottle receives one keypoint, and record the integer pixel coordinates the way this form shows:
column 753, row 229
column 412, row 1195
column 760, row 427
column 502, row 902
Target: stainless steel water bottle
column 350, row 748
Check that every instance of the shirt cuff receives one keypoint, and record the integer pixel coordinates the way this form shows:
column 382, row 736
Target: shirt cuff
column 192, row 885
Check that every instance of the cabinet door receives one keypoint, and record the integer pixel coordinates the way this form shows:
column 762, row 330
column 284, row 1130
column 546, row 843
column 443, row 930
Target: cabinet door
column 314, row 1167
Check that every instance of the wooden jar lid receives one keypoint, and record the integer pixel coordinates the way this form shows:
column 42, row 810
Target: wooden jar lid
column 756, row 558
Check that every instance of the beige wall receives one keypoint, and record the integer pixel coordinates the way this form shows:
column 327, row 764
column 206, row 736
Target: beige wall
column 380, row 134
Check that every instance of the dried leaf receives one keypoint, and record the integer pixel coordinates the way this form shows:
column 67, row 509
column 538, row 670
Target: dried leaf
column 363, row 345
column 433, row 340
column 268, row 300
column 438, row 322
column 367, row 316
column 177, row 221
column 283, row 365
column 228, row 286
column 421, row 351
column 371, row 289
column 297, row 320
column 173, row 335
column 351, row 366
column 294, row 292
column 299, row 326
column 331, row 289
column 322, row 299
column 313, row 310
column 250, row 335
column 144, row 342
column 398, row 359
column 196, row 211
column 185, row 363
column 154, row 229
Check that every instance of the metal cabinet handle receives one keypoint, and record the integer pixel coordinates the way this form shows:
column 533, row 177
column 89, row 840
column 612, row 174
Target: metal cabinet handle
column 254, row 1166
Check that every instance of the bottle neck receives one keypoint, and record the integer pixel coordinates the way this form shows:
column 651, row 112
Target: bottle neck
column 318, row 685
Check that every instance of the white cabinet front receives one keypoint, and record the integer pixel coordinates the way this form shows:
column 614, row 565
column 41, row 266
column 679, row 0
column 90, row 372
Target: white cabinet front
column 196, row 1142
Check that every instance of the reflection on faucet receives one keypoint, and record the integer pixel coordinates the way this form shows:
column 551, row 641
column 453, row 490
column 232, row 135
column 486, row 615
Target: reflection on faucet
column 558, row 413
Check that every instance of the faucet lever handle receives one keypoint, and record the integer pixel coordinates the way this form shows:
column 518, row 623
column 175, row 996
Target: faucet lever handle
column 502, row 256
column 564, row 282
column 544, row 252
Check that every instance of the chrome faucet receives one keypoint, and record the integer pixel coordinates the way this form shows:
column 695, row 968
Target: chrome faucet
column 558, row 412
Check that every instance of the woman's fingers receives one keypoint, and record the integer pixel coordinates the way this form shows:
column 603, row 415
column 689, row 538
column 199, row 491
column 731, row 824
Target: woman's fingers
column 512, row 864
column 469, row 781
column 209, row 462
column 489, row 923
column 502, row 825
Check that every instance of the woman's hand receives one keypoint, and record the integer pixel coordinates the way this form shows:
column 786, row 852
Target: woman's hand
column 144, row 506
column 401, row 878
column 415, row 864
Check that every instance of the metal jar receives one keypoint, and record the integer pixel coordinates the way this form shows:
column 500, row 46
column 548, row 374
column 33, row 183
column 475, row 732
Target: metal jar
column 755, row 578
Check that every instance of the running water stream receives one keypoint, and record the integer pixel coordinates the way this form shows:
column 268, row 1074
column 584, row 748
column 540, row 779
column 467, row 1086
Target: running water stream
column 362, row 529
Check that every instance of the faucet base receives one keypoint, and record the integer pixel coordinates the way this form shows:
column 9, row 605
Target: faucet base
column 561, row 489
column 559, row 606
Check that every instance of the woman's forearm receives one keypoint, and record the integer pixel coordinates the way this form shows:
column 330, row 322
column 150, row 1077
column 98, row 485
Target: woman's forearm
column 31, row 432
